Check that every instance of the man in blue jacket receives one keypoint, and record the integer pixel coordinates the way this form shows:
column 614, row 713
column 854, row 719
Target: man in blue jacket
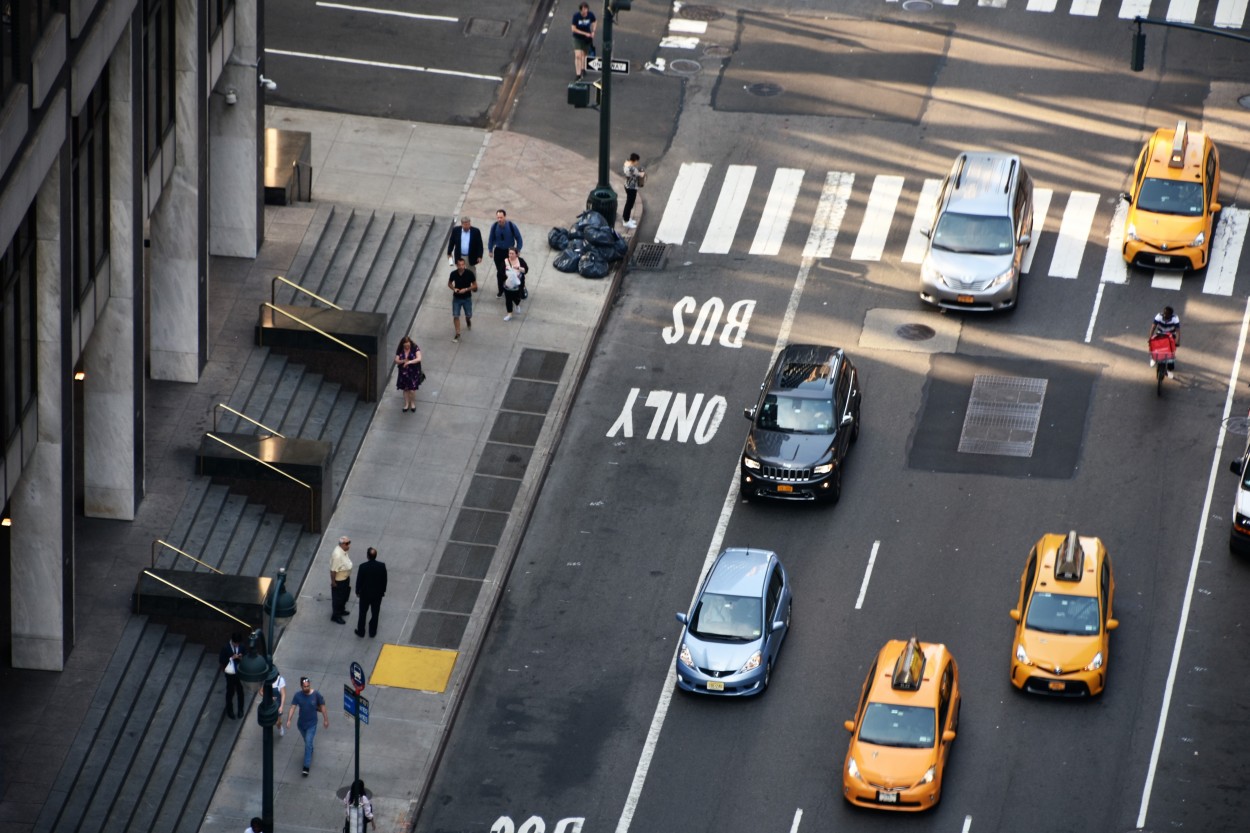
column 504, row 235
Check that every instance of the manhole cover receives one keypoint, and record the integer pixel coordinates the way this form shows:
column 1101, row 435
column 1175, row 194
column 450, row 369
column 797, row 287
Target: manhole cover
column 1003, row 415
column 1238, row 425
column 708, row 13
column 715, row 50
column 486, row 28
column 765, row 89
column 649, row 257
column 915, row 332
column 917, row 5
column 685, row 66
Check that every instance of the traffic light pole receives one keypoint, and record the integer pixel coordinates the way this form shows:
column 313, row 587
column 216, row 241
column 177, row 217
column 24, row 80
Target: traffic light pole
column 1139, row 38
column 603, row 197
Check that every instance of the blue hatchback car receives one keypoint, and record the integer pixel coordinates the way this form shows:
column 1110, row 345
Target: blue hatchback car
column 734, row 632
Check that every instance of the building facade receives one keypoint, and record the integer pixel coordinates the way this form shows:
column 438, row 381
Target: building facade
column 130, row 150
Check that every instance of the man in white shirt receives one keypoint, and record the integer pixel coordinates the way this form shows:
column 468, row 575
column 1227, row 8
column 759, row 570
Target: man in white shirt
column 340, row 580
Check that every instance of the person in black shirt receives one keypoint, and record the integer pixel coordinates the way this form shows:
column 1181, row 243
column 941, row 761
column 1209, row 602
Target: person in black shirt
column 462, row 284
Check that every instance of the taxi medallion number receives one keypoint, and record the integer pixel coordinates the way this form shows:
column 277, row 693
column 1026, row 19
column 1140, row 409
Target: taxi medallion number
column 715, row 685
column 887, row 798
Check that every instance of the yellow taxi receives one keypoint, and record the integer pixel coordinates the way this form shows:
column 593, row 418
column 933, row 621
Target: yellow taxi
column 1063, row 619
column 902, row 733
column 1173, row 200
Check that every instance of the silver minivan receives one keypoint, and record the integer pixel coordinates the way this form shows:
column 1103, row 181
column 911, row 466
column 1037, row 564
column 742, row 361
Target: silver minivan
column 982, row 224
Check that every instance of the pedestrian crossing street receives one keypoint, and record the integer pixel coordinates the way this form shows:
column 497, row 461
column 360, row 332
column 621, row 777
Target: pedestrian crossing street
column 1067, row 228
column 1229, row 14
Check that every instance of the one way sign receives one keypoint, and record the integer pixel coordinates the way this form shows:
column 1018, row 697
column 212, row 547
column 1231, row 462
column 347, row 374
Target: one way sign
column 618, row 66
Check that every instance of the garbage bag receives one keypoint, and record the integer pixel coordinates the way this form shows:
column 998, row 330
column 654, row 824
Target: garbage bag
column 587, row 219
column 593, row 265
column 557, row 238
column 599, row 235
column 567, row 260
column 620, row 248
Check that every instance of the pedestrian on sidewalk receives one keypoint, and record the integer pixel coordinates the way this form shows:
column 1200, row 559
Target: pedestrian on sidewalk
column 308, row 702
column 504, row 235
column 466, row 242
column 257, row 826
column 584, row 24
column 359, row 808
column 340, row 580
column 370, row 588
column 229, row 658
column 462, row 284
column 279, row 694
column 514, row 269
column 408, row 379
column 635, row 178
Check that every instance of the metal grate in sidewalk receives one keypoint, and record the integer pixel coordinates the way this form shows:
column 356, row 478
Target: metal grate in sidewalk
column 649, row 257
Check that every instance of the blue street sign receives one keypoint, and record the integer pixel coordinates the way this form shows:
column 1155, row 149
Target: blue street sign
column 350, row 699
column 358, row 676
column 364, row 710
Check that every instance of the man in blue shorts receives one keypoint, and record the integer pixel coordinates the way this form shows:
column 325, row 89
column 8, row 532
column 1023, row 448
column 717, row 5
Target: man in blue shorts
column 462, row 284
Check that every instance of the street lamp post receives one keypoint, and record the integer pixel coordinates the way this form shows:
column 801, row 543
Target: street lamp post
column 255, row 669
column 603, row 197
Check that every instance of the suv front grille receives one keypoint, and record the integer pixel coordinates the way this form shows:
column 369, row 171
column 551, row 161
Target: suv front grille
column 785, row 475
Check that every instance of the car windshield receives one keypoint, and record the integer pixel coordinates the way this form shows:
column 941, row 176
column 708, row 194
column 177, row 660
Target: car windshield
column 796, row 414
column 890, row 725
column 731, row 618
column 1167, row 196
column 973, row 234
column 1060, row 613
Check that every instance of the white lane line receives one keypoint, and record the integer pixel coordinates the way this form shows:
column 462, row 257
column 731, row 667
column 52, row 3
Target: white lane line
column 1073, row 233
column 863, row 588
column 412, row 15
column 1041, row 5
column 1041, row 207
column 829, row 213
column 1226, row 243
column 922, row 222
column 777, row 211
column 994, row 4
column 1114, row 267
column 681, row 202
column 798, row 817
column 679, row 42
column 882, row 201
column 1182, row 11
column 381, row 64
column 1217, row 465
column 1130, row 9
column 1167, row 280
column 1086, row 8
column 1230, row 14
column 718, row 536
column 967, row 824
column 1093, row 315
column 689, row 27
column 734, row 192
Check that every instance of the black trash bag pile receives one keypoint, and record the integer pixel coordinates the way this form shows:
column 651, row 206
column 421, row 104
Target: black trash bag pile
column 589, row 247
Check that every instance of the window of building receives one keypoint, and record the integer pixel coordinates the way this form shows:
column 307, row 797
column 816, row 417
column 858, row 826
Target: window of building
column 217, row 11
column 90, row 201
column 17, row 328
column 22, row 23
column 158, row 75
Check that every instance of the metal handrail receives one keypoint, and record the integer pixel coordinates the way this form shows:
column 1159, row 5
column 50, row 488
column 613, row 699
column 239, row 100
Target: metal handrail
column 183, row 554
column 188, row 593
column 273, row 291
column 273, row 431
column 338, row 341
column 312, row 498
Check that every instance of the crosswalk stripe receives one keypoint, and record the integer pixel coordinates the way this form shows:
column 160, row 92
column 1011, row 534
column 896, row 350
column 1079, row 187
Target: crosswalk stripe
column 1230, row 14
column 1073, row 234
column 1041, row 206
column 1182, row 11
column 681, row 202
column 1042, row 5
column 734, row 192
column 994, row 4
column 829, row 213
column 1086, row 8
column 1226, row 243
column 781, row 198
column 882, row 200
column 1114, row 268
column 1167, row 280
column 1130, row 9
column 925, row 206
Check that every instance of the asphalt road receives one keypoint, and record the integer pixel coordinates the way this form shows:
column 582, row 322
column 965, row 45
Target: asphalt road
column 570, row 724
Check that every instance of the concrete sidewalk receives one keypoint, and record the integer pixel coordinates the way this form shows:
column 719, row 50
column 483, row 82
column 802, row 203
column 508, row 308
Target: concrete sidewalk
column 443, row 494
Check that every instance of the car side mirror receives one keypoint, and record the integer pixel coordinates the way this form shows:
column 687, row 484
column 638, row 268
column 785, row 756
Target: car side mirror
column 847, row 419
column 948, row 736
column 1216, row 207
column 849, row 725
column 927, row 232
column 1112, row 624
column 681, row 617
column 778, row 625
column 1015, row 614
column 1236, row 467
column 1124, row 196
column 1026, row 239
column 749, row 413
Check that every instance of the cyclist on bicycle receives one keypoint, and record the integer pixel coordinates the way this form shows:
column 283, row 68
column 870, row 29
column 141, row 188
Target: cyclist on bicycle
column 1166, row 323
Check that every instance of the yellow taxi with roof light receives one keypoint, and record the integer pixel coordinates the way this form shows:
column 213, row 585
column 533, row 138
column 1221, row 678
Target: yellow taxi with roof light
column 1063, row 619
column 903, row 730
column 1173, row 200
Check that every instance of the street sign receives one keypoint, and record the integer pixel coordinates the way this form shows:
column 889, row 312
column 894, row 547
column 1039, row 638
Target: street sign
column 618, row 66
column 364, row 710
column 358, row 677
column 350, row 708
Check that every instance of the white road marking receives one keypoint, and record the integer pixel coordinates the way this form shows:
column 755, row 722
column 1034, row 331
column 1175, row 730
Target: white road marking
column 734, row 192
column 1217, row 465
column 994, row 4
column 1073, row 234
column 777, row 211
column 1230, row 14
column 679, row 42
column 829, row 214
column 382, row 65
column 798, row 814
column 367, row 10
column 925, row 206
column 1114, row 267
column 1167, row 280
column 1093, row 316
column 873, row 231
column 1086, row 8
column 1130, row 9
column 1182, row 11
column 1226, row 243
column 967, row 824
column 681, row 202
column 1041, row 207
column 863, row 587
column 690, row 27
column 1041, row 5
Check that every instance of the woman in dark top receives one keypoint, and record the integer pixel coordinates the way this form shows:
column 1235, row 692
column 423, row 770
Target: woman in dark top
column 408, row 358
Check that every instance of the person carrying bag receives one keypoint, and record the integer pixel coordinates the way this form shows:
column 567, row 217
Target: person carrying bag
column 359, row 809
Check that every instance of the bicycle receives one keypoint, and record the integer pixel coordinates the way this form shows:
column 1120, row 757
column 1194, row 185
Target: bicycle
column 1163, row 357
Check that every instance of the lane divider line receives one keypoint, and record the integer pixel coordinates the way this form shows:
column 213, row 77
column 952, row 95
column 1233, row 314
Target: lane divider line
column 863, row 588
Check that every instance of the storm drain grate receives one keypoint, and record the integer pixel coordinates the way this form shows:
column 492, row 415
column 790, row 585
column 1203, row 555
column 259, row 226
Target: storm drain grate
column 1003, row 415
column 484, row 27
column 649, row 256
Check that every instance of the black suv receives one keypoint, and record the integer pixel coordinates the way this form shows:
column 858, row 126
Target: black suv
column 804, row 423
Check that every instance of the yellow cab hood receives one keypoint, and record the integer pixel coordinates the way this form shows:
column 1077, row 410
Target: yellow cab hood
column 1058, row 652
column 1174, row 230
column 892, row 766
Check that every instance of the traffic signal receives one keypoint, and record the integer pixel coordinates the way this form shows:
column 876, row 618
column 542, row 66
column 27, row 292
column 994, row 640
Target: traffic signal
column 1139, row 50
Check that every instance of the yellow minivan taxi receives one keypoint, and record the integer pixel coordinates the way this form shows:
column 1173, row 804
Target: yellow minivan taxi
column 1173, row 200
column 1063, row 617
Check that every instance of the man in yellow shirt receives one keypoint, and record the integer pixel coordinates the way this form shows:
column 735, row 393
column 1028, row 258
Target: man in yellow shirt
column 340, row 580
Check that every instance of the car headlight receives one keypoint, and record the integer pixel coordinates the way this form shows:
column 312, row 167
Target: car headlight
column 823, row 468
column 751, row 664
column 1096, row 663
column 1130, row 233
column 929, row 775
column 1202, row 235
column 685, row 657
column 929, row 273
column 753, row 465
column 999, row 280
column 852, row 769
column 1021, row 656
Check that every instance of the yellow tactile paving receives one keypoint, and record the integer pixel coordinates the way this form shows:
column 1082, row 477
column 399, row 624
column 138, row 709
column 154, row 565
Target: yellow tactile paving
column 423, row 669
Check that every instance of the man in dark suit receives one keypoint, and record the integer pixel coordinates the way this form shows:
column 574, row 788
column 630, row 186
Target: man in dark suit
column 229, row 658
column 370, row 588
column 465, row 241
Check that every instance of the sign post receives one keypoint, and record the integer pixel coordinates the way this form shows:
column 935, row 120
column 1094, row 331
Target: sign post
column 356, row 706
column 619, row 67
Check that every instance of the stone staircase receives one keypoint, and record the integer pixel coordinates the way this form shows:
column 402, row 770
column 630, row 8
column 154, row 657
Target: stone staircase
column 154, row 743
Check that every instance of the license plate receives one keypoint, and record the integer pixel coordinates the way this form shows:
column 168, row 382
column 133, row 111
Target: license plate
column 784, row 488
column 966, row 299
column 1163, row 258
column 1056, row 686
column 714, row 685
column 887, row 798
